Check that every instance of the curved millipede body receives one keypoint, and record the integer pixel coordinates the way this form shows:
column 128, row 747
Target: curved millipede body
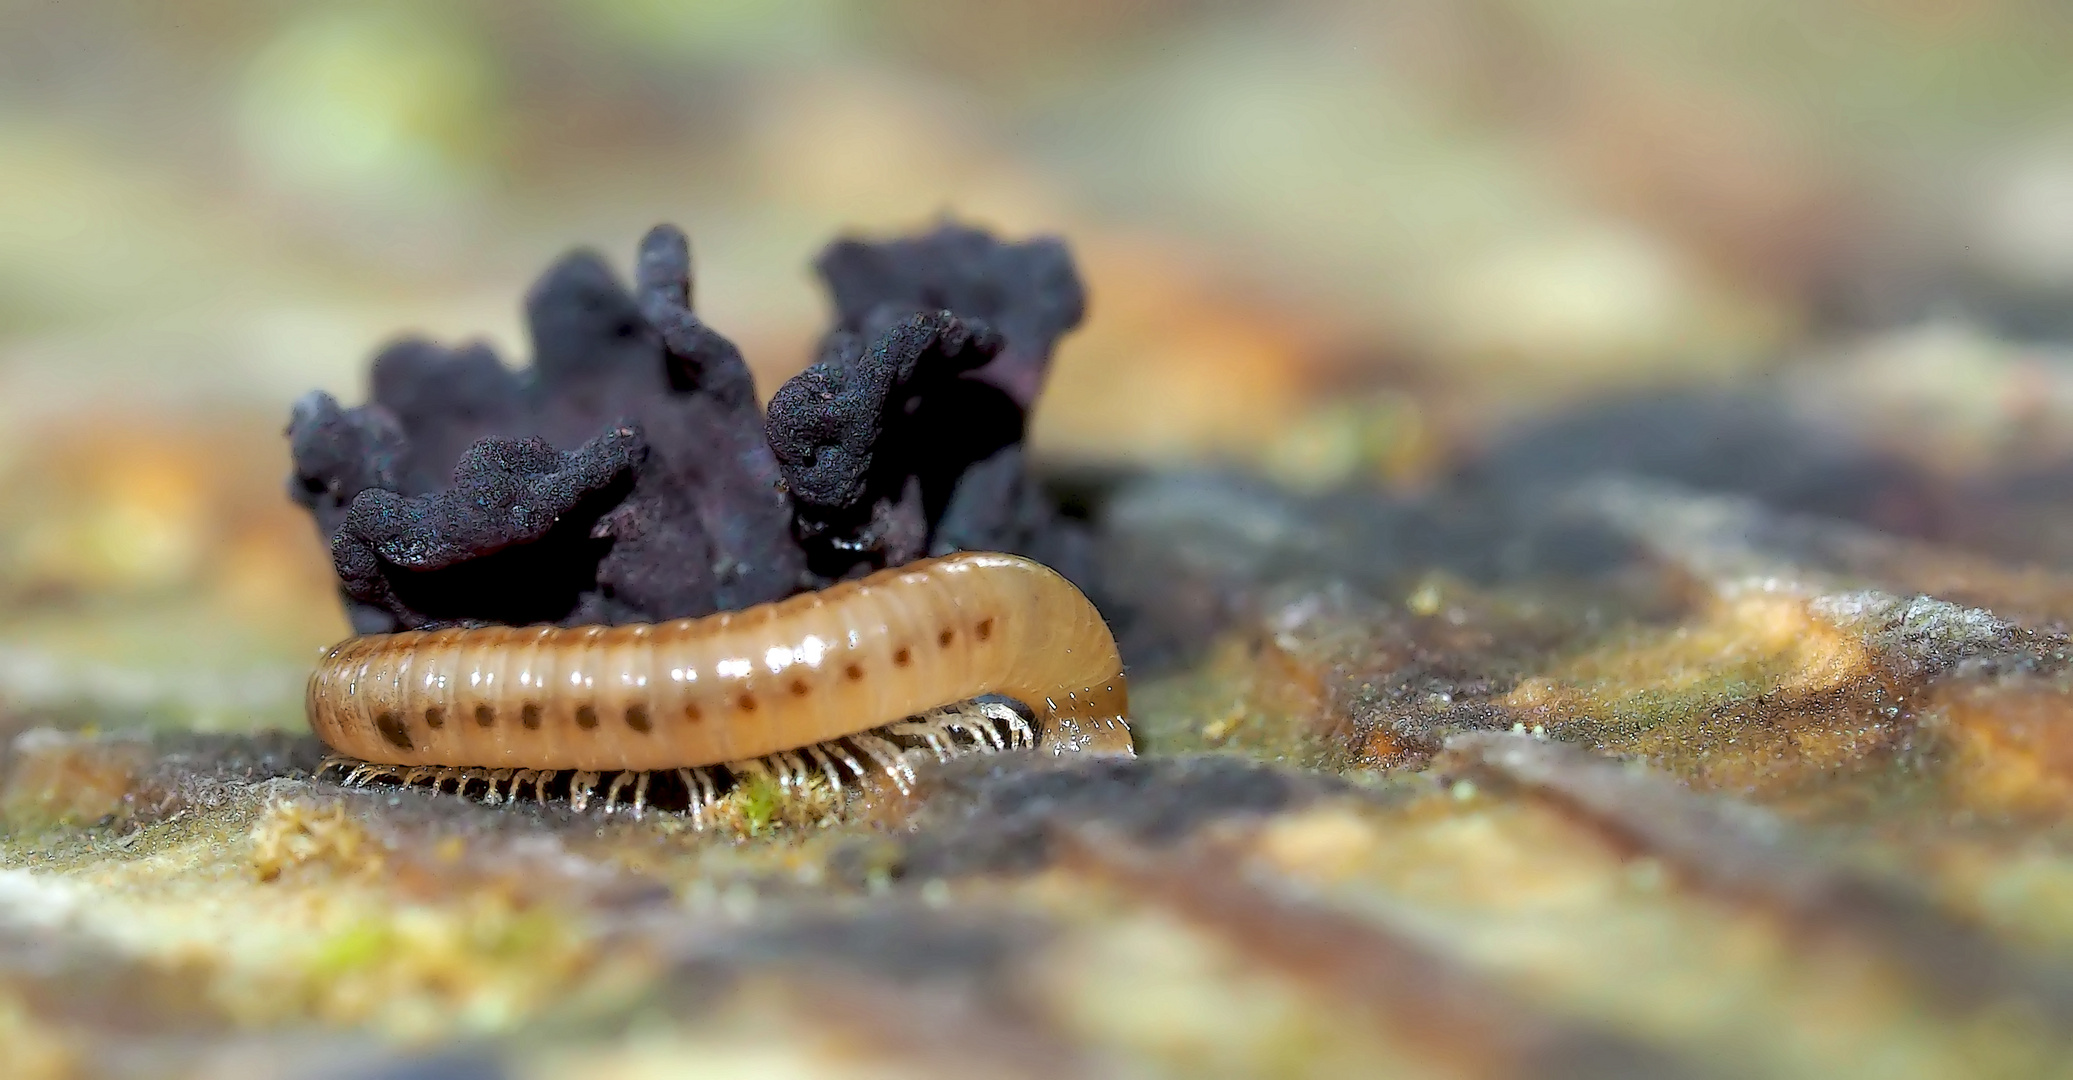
column 763, row 683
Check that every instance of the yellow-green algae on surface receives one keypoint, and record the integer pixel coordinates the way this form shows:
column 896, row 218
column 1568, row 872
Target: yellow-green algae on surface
column 288, row 911
column 1527, row 896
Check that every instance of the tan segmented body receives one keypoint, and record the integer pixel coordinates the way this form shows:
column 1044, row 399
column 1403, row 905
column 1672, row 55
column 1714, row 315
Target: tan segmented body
column 736, row 685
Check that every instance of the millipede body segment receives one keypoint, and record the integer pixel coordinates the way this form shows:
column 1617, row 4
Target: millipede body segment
column 735, row 686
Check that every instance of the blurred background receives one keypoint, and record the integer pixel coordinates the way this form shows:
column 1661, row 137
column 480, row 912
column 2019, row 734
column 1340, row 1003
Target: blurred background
column 1333, row 241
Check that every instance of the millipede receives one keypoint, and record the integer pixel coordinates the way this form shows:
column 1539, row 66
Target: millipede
column 803, row 691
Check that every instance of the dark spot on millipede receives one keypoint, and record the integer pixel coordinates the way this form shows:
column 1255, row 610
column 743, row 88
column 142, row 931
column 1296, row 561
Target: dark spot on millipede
column 799, row 688
column 586, row 716
column 747, row 703
column 435, row 717
column 529, row 715
column 985, row 628
column 485, row 716
column 903, row 657
column 943, row 639
column 693, row 713
column 391, row 727
column 853, row 673
column 637, row 718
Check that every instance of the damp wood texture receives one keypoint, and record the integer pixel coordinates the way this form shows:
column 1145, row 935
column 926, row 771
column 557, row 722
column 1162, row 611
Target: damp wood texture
column 734, row 686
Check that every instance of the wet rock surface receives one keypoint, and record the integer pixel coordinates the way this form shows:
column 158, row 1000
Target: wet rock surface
column 1586, row 492
column 1415, row 787
column 1475, row 778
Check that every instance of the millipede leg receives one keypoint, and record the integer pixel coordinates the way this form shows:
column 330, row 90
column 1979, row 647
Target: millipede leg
column 887, row 757
column 745, row 768
column 640, row 793
column 708, row 789
column 800, row 776
column 366, row 772
column 580, row 787
column 470, row 775
column 698, row 785
column 1011, row 723
column 797, row 775
column 937, row 731
column 986, row 735
column 694, row 800
column 497, row 779
column 331, row 761
column 769, row 767
column 827, row 767
column 977, row 728
column 925, row 730
column 415, row 774
column 619, row 784
column 948, row 724
column 978, row 732
column 1019, row 734
column 840, row 753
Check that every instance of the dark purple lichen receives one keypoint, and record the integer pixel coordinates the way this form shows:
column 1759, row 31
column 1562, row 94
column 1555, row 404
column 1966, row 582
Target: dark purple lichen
column 626, row 476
